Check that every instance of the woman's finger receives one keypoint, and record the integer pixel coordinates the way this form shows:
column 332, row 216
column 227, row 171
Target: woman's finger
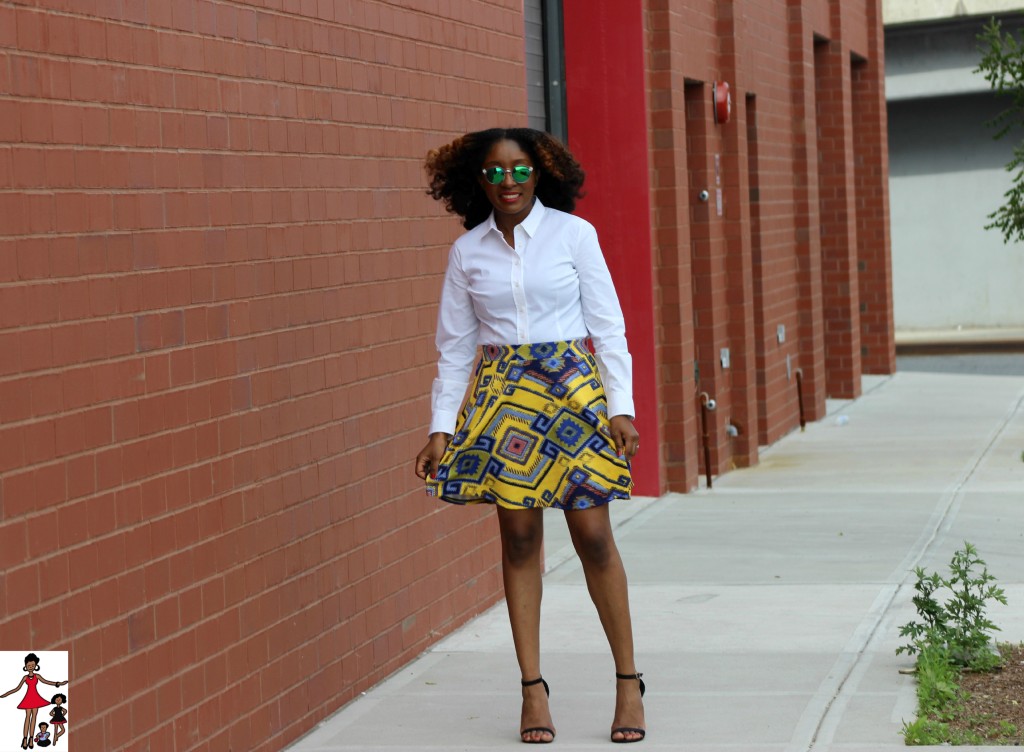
column 619, row 441
column 427, row 464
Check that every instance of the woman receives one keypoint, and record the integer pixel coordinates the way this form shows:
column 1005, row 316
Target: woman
column 529, row 283
column 32, row 700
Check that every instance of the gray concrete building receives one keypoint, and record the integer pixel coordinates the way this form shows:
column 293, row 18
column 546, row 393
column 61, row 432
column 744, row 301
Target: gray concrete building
column 947, row 174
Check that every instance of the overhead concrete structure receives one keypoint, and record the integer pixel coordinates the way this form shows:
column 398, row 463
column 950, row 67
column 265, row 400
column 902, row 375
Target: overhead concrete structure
column 909, row 11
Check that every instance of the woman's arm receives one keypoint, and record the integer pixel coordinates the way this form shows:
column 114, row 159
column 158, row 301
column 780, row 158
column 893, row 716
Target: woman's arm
column 605, row 323
column 607, row 327
column 457, row 329
column 15, row 689
column 52, row 684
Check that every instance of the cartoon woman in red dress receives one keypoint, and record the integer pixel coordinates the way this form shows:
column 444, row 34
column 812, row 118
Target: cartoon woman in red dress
column 33, row 700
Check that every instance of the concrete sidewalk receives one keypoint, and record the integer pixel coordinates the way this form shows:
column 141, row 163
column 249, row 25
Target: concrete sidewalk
column 767, row 609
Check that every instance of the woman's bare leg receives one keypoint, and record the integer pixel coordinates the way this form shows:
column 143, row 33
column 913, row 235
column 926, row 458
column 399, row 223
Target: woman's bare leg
column 31, row 723
column 591, row 533
column 522, row 533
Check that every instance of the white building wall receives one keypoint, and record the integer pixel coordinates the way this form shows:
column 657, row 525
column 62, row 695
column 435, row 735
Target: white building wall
column 946, row 175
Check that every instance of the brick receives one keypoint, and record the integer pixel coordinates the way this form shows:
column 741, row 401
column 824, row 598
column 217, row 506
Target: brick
column 23, row 585
column 14, row 536
column 46, row 625
column 103, row 599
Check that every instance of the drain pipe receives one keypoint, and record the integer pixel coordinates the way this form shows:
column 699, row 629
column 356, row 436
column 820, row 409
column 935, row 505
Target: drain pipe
column 800, row 397
column 707, row 404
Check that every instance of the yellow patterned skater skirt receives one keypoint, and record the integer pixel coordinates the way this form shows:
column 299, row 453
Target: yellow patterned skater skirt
column 534, row 433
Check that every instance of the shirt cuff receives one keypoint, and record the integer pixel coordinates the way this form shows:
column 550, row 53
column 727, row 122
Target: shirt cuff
column 616, row 369
column 446, row 399
column 620, row 403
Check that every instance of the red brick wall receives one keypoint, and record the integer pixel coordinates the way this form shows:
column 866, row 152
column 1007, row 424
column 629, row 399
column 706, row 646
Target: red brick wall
column 871, row 148
column 218, row 279
column 672, row 292
column 802, row 251
column 741, row 338
column 837, row 201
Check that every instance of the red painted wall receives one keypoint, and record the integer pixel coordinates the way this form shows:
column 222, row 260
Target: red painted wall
column 608, row 135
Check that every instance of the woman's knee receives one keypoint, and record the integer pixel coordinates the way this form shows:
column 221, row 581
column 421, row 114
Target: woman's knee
column 521, row 540
column 595, row 545
column 597, row 550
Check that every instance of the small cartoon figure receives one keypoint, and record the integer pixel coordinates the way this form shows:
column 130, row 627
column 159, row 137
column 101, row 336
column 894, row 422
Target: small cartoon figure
column 59, row 716
column 43, row 737
column 32, row 700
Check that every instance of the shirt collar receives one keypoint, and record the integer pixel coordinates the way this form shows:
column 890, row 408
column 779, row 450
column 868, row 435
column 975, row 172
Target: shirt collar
column 530, row 224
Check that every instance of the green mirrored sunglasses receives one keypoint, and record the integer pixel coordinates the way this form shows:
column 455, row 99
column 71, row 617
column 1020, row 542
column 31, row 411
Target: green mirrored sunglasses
column 494, row 175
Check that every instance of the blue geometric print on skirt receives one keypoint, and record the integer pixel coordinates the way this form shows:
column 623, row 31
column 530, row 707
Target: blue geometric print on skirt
column 534, row 433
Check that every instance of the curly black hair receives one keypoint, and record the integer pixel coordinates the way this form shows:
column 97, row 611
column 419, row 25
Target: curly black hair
column 454, row 171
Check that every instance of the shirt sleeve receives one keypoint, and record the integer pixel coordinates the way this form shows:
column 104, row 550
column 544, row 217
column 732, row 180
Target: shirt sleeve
column 603, row 317
column 457, row 328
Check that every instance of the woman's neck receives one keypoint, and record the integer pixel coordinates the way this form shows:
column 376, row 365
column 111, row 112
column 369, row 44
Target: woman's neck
column 507, row 227
column 507, row 223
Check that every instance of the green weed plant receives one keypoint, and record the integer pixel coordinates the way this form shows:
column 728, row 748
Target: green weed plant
column 953, row 634
column 952, row 612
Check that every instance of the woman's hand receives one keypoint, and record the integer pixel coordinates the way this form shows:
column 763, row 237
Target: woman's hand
column 430, row 456
column 624, row 436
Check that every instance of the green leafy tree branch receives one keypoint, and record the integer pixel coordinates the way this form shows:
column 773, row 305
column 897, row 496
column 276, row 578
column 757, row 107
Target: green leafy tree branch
column 1002, row 65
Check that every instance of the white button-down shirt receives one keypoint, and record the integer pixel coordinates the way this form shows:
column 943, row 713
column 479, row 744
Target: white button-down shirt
column 554, row 285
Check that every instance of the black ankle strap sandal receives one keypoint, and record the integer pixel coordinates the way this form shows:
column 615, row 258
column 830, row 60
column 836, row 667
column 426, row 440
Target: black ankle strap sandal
column 543, row 729
column 629, row 729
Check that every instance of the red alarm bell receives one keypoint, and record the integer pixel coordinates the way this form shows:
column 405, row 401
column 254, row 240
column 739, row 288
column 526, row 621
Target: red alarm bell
column 723, row 102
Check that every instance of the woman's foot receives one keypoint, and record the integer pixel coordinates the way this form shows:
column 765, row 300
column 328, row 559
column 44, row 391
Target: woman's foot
column 535, row 724
column 628, row 725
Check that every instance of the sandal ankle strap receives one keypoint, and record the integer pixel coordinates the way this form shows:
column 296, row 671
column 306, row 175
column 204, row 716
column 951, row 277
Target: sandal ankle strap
column 635, row 676
column 538, row 680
